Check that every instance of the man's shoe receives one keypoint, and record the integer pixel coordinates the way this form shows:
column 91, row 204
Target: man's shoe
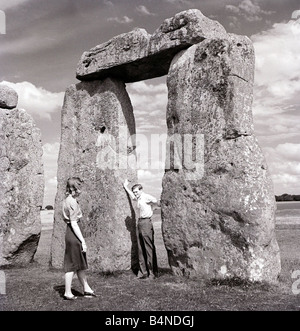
column 151, row 276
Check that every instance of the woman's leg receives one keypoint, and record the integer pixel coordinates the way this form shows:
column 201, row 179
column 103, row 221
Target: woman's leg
column 83, row 280
column 68, row 283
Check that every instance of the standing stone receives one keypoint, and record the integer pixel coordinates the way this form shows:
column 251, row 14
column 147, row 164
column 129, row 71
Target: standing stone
column 96, row 144
column 219, row 218
column 21, row 187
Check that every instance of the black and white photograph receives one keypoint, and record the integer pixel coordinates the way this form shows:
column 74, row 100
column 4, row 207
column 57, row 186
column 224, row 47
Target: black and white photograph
column 149, row 158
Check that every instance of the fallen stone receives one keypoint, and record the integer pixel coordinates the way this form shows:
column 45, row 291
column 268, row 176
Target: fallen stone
column 97, row 119
column 21, row 187
column 219, row 215
column 137, row 55
column 8, row 97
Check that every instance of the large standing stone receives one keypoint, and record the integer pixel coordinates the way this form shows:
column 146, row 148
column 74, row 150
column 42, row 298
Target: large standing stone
column 21, row 187
column 97, row 119
column 137, row 55
column 218, row 223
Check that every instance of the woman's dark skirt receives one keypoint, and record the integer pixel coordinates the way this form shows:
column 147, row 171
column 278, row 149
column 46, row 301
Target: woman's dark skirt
column 75, row 259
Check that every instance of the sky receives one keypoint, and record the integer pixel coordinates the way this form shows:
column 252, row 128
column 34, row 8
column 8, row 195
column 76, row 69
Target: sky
column 43, row 41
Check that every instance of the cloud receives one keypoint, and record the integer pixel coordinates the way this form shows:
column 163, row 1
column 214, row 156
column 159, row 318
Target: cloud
column 144, row 11
column 146, row 174
column 284, row 166
column 108, row 3
column 277, row 102
column 123, row 20
column 50, row 157
column 52, row 181
column 289, row 151
column 179, row 2
column 149, row 103
column 247, row 9
column 277, row 75
column 296, row 14
column 5, row 4
column 36, row 100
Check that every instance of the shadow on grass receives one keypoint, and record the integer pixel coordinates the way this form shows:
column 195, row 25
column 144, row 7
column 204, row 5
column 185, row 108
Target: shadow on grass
column 164, row 271
column 238, row 282
column 131, row 273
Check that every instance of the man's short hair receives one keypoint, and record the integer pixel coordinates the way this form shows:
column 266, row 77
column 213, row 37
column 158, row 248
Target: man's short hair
column 139, row 186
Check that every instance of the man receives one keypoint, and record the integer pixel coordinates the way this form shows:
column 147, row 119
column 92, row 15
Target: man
column 145, row 232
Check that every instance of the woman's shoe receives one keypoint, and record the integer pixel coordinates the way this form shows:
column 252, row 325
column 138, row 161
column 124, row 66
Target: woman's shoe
column 69, row 298
column 89, row 294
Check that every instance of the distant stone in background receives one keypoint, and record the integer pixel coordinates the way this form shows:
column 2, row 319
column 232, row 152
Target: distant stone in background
column 97, row 125
column 21, row 183
column 137, row 55
column 219, row 223
column 8, row 97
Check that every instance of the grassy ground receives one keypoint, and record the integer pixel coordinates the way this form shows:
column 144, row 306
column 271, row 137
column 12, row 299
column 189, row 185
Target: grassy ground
column 39, row 288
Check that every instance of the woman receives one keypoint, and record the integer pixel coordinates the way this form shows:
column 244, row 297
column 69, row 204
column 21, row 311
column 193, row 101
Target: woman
column 75, row 251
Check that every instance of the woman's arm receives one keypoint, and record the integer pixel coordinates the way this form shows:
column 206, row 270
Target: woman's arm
column 73, row 220
column 78, row 234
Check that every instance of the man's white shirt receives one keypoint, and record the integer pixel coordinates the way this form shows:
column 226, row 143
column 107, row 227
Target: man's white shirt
column 143, row 204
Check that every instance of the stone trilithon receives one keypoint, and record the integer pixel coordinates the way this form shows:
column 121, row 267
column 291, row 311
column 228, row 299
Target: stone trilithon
column 218, row 217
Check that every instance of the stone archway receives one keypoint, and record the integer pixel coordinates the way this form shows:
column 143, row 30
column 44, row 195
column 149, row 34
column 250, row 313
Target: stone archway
column 218, row 216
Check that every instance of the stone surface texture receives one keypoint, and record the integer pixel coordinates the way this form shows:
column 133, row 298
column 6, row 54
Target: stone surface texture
column 96, row 144
column 8, row 97
column 21, row 187
column 218, row 219
column 137, row 55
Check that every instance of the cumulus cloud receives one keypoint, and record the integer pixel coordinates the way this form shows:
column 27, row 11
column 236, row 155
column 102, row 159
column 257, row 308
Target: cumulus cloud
column 122, row 20
column 5, row 4
column 277, row 100
column 179, row 2
column 36, row 100
column 143, row 10
column 249, row 10
column 149, row 103
column 277, row 76
column 289, row 151
column 108, row 3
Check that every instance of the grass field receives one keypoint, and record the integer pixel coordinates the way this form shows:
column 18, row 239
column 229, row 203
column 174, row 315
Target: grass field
column 38, row 288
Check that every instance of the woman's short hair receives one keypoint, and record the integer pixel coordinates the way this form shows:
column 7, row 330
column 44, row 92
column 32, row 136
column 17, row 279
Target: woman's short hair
column 139, row 186
column 73, row 184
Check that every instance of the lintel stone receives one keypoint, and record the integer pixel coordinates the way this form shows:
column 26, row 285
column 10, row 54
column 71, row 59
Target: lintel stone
column 137, row 55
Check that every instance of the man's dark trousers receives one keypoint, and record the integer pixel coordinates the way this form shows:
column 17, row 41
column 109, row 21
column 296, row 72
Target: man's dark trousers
column 146, row 247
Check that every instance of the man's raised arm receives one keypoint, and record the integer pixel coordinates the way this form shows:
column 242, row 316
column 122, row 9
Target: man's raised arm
column 125, row 185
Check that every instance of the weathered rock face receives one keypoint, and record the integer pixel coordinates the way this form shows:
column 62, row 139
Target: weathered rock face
column 21, row 187
column 8, row 97
column 138, row 55
column 97, row 119
column 218, row 220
